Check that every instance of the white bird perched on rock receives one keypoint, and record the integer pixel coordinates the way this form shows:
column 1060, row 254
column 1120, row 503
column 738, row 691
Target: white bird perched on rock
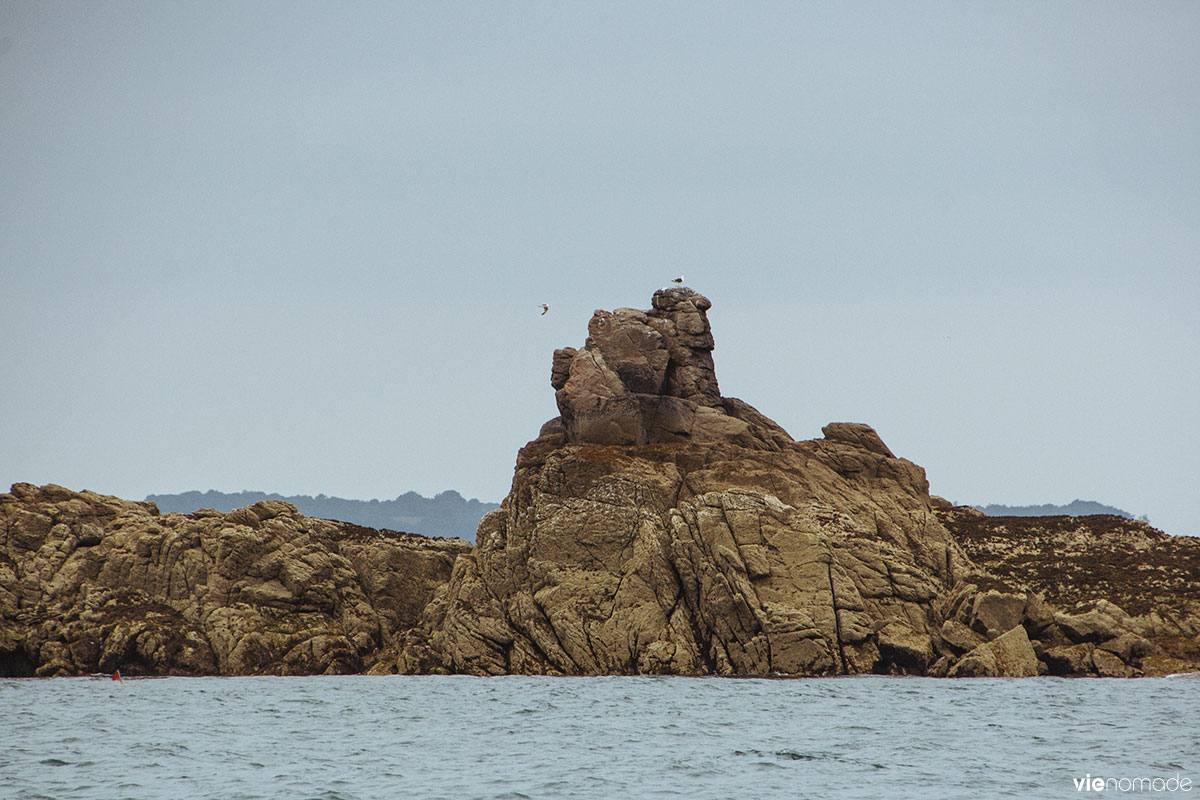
column 545, row 308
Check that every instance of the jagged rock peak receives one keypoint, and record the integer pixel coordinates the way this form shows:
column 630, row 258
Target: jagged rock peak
column 646, row 377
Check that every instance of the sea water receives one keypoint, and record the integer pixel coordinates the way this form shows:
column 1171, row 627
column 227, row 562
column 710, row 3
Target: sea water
column 343, row 738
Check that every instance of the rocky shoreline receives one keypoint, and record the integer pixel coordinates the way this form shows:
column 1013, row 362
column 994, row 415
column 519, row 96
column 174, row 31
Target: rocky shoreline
column 1131, row 590
column 654, row 527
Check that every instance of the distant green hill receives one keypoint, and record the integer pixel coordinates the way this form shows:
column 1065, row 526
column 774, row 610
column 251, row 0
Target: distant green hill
column 1075, row 508
column 446, row 516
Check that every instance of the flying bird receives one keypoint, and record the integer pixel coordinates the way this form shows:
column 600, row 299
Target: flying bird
column 545, row 308
column 677, row 280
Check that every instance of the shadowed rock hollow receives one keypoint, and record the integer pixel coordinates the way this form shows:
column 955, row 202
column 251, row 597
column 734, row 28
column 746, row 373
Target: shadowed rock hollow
column 658, row 527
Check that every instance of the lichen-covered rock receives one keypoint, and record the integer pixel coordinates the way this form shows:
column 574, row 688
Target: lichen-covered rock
column 91, row 583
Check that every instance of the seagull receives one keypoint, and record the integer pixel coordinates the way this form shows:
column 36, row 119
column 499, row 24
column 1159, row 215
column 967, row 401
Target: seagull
column 545, row 308
column 677, row 280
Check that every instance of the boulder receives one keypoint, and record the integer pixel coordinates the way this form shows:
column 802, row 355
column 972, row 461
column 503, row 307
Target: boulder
column 1010, row 655
column 1110, row 665
column 1074, row 659
column 958, row 637
column 903, row 650
column 993, row 613
column 1092, row 626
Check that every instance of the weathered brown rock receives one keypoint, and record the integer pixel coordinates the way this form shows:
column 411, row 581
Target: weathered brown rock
column 857, row 434
column 994, row 613
column 904, row 649
column 90, row 583
column 1074, row 659
column 959, row 638
column 1010, row 655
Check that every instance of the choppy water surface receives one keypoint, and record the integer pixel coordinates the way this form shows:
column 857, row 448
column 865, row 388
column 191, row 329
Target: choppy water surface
column 338, row 738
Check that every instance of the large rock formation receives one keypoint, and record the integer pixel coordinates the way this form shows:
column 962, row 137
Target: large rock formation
column 93, row 583
column 653, row 527
column 697, row 558
column 657, row 527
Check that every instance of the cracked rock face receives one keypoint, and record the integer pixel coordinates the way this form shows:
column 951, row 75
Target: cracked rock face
column 90, row 583
column 821, row 559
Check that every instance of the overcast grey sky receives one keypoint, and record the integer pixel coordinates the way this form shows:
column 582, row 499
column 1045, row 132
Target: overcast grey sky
column 300, row 247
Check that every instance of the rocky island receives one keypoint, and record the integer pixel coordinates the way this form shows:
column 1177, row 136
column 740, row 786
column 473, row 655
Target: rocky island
column 653, row 527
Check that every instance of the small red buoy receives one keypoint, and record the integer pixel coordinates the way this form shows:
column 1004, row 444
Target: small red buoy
column 116, row 675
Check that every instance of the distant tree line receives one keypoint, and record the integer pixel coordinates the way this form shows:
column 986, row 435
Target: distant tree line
column 1075, row 508
column 446, row 515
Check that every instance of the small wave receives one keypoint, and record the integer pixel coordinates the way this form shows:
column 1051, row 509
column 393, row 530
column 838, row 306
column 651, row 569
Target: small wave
column 788, row 755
